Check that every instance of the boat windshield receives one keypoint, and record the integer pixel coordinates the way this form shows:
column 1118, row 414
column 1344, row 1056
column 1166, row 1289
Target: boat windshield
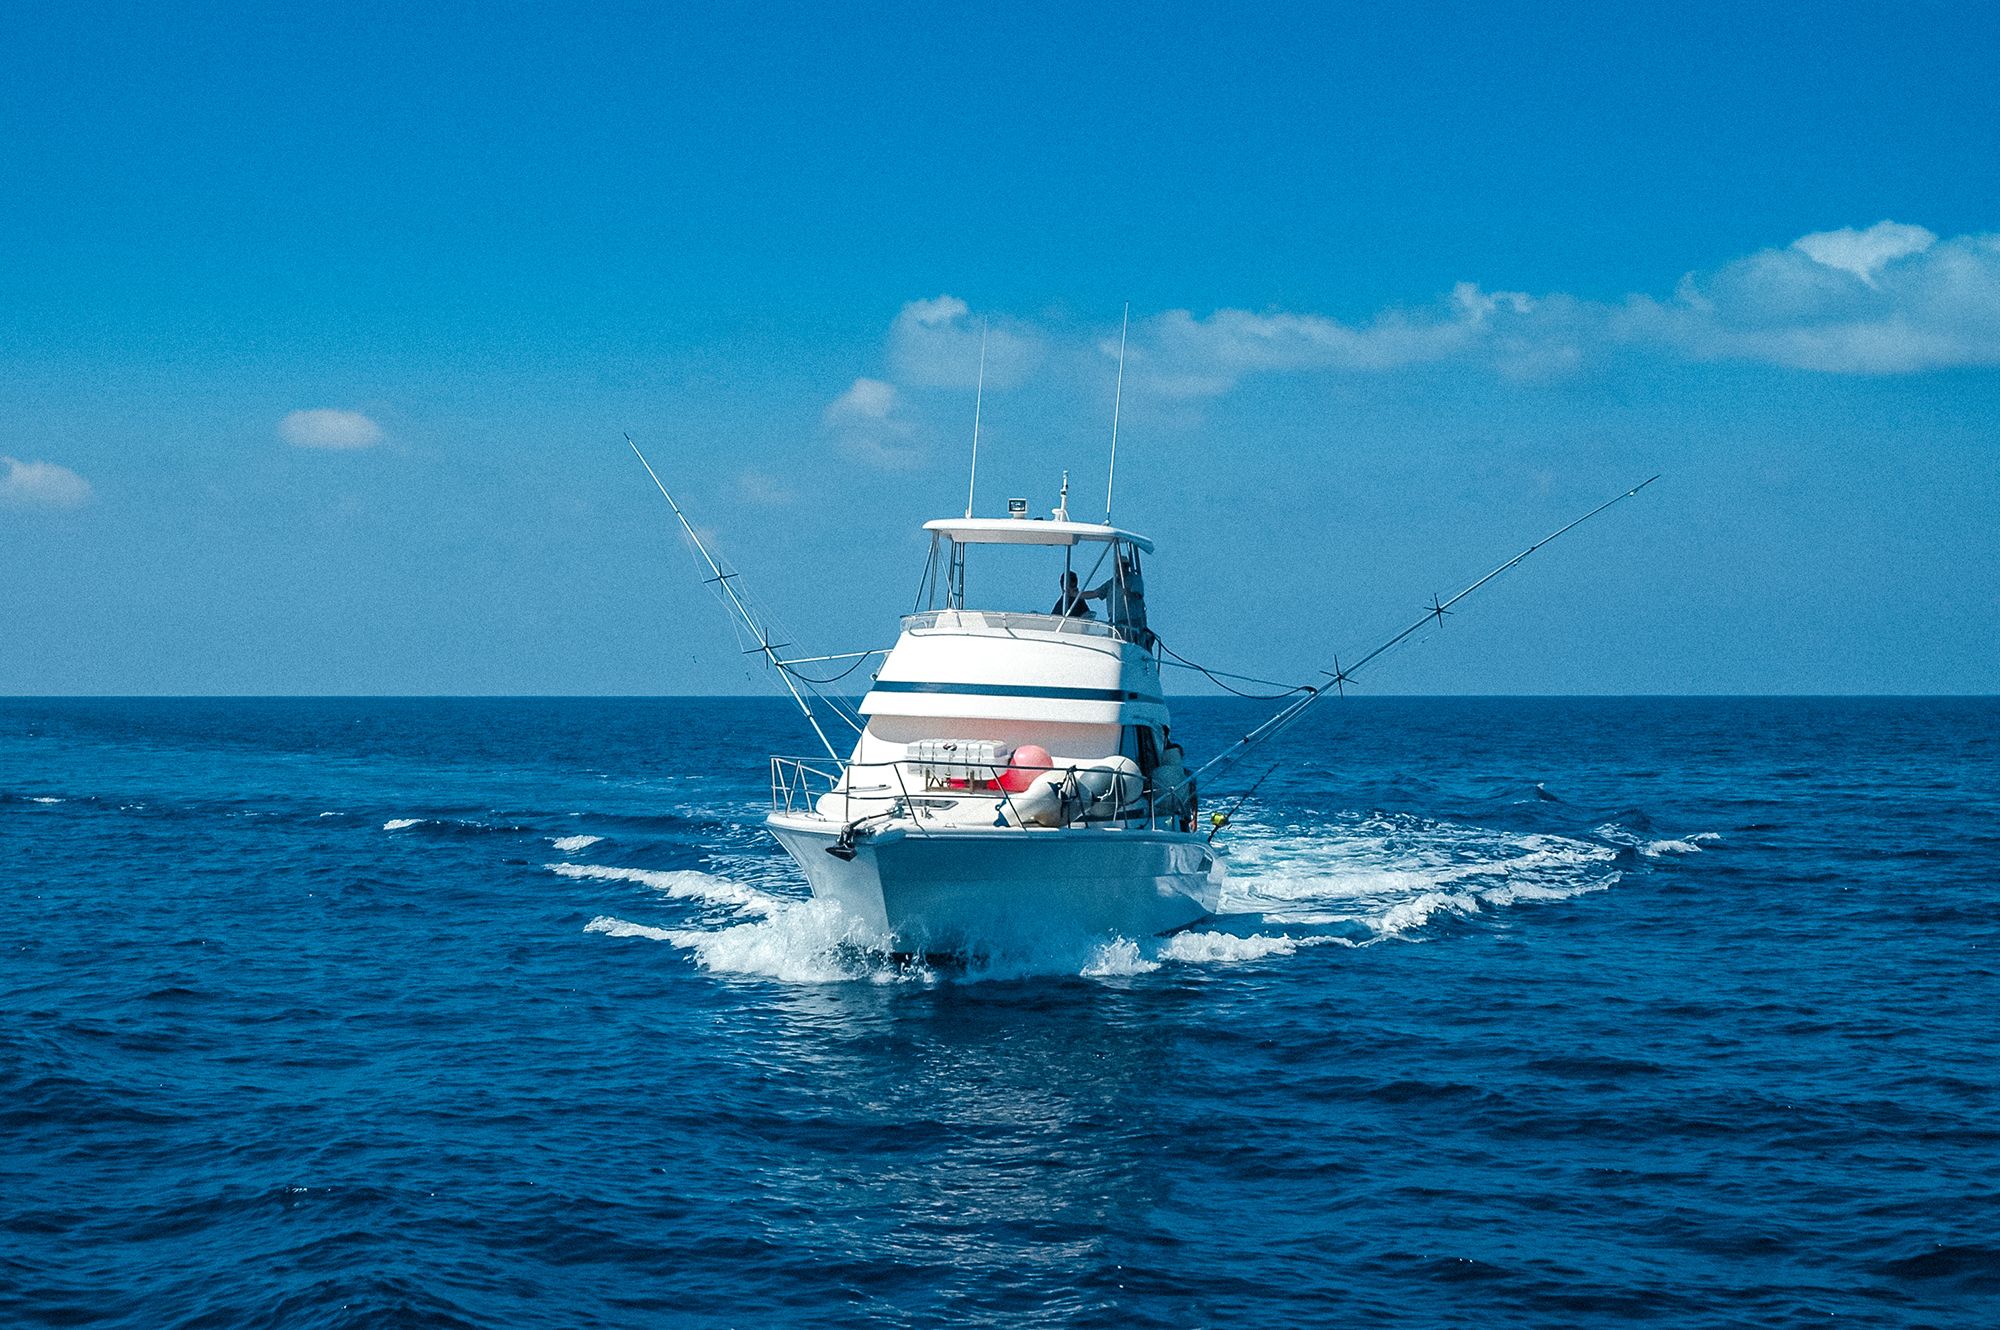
column 1098, row 580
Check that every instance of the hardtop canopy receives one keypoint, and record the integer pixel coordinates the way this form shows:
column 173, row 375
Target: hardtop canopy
column 1030, row 531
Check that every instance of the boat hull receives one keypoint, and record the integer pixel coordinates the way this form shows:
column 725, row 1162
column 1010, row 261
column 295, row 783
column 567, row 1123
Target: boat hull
column 968, row 889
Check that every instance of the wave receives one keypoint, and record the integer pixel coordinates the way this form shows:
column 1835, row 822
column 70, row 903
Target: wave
column 678, row 884
column 1351, row 882
column 611, row 927
column 1200, row 947
column 1391, row 876
column 688, row 818
column 1117, row 959
column 762, row 935
column 571, row 844
column 1122, row 956
column 1618, row 834
column 800, row 942
column 451, row 827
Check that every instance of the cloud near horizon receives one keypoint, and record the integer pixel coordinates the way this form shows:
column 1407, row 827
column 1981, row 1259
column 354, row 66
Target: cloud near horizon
column 1892, row 299
column 326, row 427
column 1885, row 299
column 32, row 484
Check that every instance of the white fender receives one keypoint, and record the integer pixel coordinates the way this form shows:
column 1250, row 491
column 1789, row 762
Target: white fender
column 1123, row 785
column 1053, row 799
column 1095, row 781
column 1108, row 786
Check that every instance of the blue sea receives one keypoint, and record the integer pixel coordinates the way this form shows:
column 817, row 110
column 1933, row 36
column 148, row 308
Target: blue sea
column 505, row 1013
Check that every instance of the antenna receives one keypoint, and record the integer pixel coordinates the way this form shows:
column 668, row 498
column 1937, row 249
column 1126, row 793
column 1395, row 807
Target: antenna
column 1117, row 399
column 978, row 397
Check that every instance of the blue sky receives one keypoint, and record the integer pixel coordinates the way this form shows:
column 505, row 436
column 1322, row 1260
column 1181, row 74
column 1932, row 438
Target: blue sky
column 319, row 330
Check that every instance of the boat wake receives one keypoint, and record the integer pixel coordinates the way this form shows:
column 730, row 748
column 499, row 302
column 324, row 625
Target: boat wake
column 1367, row 879
column 1351, row 882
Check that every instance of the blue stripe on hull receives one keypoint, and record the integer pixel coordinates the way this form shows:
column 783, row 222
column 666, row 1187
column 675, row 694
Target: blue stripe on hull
column 1016, row 690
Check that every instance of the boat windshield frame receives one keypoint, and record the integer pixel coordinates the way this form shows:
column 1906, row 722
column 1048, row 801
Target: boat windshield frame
column 1121, row 591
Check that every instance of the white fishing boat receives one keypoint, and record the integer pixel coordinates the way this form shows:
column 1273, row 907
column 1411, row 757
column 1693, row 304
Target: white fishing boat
column 1016, row 772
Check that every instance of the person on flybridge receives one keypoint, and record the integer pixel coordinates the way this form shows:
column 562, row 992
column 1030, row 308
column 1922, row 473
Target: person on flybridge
column 1124, row 595
column 1070, row 604
column 1128, row 597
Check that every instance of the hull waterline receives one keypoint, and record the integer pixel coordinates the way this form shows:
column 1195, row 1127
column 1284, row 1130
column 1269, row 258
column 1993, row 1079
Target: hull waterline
column 953, row 890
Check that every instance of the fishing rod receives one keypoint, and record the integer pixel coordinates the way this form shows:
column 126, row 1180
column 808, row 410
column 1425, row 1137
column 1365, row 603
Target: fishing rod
column 721, row 579
column 1341, row 675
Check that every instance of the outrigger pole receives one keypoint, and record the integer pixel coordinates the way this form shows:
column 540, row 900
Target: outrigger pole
column 1343, row 675
column 721, row 579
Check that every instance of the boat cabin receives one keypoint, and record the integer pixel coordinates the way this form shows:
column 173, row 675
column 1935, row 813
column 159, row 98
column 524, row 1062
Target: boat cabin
column 1027, row 637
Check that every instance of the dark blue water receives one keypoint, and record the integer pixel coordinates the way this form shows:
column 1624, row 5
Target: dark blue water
column 1565, row 1012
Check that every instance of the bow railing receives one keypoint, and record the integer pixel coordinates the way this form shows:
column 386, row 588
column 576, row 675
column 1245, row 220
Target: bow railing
column 909, row 788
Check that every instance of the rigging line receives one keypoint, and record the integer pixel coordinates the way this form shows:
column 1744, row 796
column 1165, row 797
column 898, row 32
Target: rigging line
column 724, row 581
column 835, row 707
column 927, row 583
column 1433, row 614
column 1217, row 676
column 1218, row 820
column 838, row 655
column 859, row 658
column 838, row 706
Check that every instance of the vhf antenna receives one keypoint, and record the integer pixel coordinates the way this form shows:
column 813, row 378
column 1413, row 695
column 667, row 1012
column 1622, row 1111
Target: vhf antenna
column 978, row 397
column 1117, row 397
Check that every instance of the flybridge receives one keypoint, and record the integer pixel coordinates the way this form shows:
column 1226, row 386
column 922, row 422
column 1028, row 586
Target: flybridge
column 1024, row 531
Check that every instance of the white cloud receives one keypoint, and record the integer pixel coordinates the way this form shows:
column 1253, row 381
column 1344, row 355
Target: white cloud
column 41, row 485
column 325, row 427
column 935, row 344
column 1863, row 252
column 1885, row 299
column 864, row 400
column 939, row 313
column 871, row 425
column 1888, row 300
column 1180, row 355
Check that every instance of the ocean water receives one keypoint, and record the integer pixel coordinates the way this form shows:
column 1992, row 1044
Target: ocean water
column 505, row 1013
